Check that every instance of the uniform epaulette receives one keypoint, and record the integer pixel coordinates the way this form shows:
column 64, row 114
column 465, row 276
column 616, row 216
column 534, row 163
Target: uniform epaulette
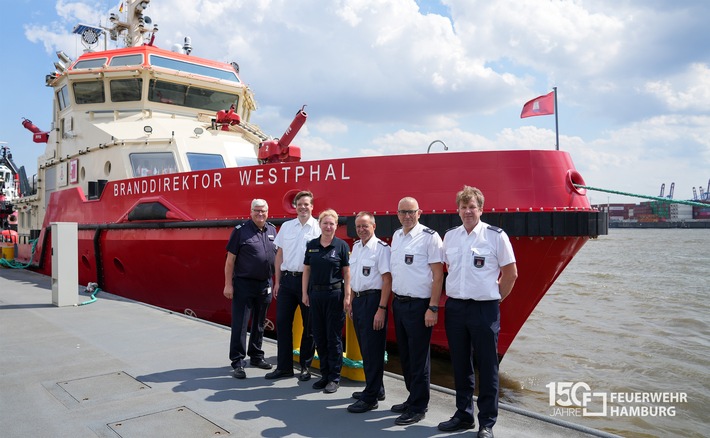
column 496, row 229
column 269, row 223
column 452, row 228
column 357, row 241
column 238, row 226
column 382, row 243
column 429, row 230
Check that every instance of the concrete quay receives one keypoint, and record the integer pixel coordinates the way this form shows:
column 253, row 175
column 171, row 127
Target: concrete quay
column 118, row 368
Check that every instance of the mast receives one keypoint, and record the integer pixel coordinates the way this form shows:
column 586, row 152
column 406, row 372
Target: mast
column 136, row 24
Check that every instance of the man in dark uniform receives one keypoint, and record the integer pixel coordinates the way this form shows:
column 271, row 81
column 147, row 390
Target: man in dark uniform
column 247, row 282
column 482, row 272
column 417, row 277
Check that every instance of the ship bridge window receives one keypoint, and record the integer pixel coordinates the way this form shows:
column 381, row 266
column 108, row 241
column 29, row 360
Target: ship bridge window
column 89, row 92
column 190, row 96
column 245, row 161
column 63, row 97
column 205, row 161
column 152, row 163
column 126, row 90
column 188, row 67
column 89, row 63
column 121, row 61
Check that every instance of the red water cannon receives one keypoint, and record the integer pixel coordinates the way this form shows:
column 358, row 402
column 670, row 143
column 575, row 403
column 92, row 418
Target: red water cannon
column 228, row 118
column 39, row 135
column 280, row 150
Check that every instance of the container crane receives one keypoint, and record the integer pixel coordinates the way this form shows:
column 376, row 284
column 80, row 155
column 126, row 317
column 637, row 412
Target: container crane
column 670, row 192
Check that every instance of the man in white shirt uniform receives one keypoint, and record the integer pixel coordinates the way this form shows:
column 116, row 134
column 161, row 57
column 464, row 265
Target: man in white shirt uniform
column 291, row 242
column 370, row 284
column 482, row 272
column 417, row 277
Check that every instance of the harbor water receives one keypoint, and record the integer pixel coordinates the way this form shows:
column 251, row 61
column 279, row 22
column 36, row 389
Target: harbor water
column 629, row 315
column 626, row 323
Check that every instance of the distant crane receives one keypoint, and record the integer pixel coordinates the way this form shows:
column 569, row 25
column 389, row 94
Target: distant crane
column 670, row 192
column 705, row 196
column 695, row 193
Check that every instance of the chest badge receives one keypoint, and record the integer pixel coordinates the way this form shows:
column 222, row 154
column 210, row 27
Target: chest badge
column 409, row 259
column 366, row 271
column 479, row 261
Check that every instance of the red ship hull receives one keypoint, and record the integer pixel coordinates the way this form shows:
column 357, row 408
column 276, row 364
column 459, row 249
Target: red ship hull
column 161, row 240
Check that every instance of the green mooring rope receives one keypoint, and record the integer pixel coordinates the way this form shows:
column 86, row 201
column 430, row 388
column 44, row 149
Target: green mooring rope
column 14, row 264
column 655, row 198
column 349, row 363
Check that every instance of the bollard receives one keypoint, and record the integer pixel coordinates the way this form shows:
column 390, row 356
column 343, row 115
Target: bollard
column 297, row 331
column 352, row 357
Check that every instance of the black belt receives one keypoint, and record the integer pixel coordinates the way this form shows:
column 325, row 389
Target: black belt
column 252, row 279
column 324, row 287
column 291, row 273
column 471, row 300
column 405, row 298
column 366, row 292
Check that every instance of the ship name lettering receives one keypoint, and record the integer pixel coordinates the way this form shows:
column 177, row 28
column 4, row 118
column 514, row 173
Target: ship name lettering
column 164, row 184
column 300, row 173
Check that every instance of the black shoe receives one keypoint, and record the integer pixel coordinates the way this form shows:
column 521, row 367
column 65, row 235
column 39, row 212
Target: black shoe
column 260, row 363
column 278, row 374
column 485, row 432
column 360, row 406
column 455, row 424
column 357, row 395
column 320, row 384
column 409, row 417
column 331, row 387
column 305, row 375
column 400, row 408
column 239, row 373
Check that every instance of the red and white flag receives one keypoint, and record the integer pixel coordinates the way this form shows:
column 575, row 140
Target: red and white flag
column 540, row 106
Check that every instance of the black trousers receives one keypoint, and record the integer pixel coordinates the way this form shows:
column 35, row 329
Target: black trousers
column 413, row 343
column 327, row 320
column 288, row 300
column 372, row 345
column 472, row 329
column 251, row 300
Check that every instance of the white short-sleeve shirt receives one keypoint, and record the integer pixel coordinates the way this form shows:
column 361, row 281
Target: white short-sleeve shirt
column 292, row 238
column 411, row 255
column 367, row 264
column 474, row 261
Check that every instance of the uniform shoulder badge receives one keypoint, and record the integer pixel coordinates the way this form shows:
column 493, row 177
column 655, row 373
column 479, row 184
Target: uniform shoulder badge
column 382, row 243
column 238, row 226
column 429, row 231
column 496, row 229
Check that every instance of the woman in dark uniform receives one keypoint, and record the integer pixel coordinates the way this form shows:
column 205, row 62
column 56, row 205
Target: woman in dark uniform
column 326, row 289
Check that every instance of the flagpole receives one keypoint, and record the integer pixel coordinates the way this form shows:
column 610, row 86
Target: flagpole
column 557, row 130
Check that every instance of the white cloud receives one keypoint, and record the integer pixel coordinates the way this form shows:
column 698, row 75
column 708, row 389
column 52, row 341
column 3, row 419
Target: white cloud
column 688, row 90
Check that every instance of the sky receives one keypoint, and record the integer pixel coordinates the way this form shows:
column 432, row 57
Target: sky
column 385, row 77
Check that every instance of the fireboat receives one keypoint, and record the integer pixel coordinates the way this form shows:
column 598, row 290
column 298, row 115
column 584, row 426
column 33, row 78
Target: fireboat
column 152, row 152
